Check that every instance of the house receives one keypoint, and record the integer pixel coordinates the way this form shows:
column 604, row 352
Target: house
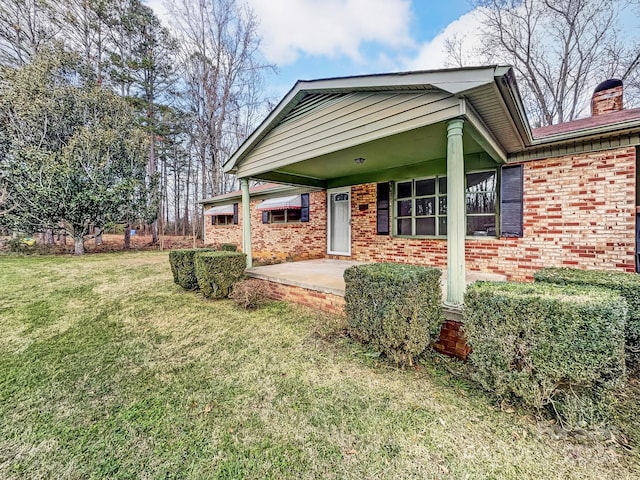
column 442, row 168
column 280, row 224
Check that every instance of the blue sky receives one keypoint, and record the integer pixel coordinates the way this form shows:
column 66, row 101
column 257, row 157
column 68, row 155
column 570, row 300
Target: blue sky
column 309, row 39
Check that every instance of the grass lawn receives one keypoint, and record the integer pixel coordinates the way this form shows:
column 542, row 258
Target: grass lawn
column 109, row 370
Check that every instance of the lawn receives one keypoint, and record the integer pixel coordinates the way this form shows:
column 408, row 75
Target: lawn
column 109, row 370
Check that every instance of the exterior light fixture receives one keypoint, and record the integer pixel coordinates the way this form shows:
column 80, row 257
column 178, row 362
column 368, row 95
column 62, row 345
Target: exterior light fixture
column 359, row 160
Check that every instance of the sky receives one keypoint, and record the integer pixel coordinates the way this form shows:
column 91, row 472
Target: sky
column 312, row 39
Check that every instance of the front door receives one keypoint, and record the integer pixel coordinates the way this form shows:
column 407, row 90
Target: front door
column 339, row 221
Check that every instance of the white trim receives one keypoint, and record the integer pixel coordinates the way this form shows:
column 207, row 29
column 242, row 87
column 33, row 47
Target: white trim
column 329, row 192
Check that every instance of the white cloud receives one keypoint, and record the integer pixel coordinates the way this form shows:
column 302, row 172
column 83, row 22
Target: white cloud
column 330, row 28
column 431, row 55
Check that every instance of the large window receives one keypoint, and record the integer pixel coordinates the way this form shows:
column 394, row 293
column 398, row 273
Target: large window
column 481, row 203
column 222, row 220
column 421, row 205
column 289, row 215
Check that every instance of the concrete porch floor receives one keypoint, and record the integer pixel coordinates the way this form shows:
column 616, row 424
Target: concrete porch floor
column 325, row 275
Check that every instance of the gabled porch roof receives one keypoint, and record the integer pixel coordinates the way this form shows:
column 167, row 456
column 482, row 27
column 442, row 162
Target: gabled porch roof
column 394, row 121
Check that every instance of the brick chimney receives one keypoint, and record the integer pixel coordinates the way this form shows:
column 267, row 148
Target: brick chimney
column 607, row 97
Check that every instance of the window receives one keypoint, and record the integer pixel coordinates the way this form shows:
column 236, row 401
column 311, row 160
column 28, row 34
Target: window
column 290, row 215
column 481, row 203
column 421, row 206
column 222, row 220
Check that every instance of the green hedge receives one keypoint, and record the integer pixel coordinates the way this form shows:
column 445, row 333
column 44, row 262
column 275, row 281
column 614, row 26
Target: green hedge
column 218, row 271
column 548, row 345
column 627, row 284
column 183, row 268
column 395, row 308
column 229, row 247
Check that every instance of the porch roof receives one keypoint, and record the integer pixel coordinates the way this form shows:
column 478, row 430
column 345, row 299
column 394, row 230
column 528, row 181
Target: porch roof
column 393, row 121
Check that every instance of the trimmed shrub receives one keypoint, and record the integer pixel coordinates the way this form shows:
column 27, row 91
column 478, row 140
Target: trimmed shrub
column 548, row 345
column 627, row 284
column 250, row 294
column 229, row 247
column 218, row 271
column 183, row 268
column 395, row 308
column 23, row 245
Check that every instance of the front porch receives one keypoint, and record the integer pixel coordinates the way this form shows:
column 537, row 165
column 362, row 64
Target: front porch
column 319, row 284
column 327, row 277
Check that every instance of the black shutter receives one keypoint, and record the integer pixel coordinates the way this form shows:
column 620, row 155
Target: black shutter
column 265, row 217
column 235, row 214
column 304, row 209
column 382, row 208
column 213, row 219
column 511, row 203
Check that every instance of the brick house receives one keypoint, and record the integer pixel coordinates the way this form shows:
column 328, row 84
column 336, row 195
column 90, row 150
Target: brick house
column 438, row 168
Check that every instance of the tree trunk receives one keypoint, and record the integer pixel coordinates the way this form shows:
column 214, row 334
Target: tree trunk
column 78, row 245
column 98, row 233
column 127, row 236
column 48, row 237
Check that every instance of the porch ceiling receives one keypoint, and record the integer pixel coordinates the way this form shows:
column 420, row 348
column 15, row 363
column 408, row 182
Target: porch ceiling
column 402, row 155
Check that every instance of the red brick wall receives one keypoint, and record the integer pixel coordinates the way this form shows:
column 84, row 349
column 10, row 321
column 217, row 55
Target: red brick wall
column 279, row 242
column 325, row 302
column 579, row 211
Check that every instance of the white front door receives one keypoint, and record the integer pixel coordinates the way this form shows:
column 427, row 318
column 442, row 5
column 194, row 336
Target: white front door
column 339, row 221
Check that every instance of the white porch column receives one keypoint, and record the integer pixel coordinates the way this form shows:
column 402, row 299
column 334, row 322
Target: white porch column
column 246, row 220
column 456, row 215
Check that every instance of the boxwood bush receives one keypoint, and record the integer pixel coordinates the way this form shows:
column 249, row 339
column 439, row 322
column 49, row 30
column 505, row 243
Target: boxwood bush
column 627, row 284
column 395, row 308
column 218, row 271
column 552, row 346
column 183, row 268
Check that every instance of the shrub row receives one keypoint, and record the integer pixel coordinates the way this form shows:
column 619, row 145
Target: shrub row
column 626, row 284
column 208, row 270
column 183, row 267
column 548, row 345
column 395, row 308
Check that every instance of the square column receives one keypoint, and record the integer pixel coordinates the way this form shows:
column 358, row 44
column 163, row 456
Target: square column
column 246, row 220
column 456, row 214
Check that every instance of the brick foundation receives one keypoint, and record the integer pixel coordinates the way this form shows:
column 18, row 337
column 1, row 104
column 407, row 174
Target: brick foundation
column 452, row 340
column 326, row 302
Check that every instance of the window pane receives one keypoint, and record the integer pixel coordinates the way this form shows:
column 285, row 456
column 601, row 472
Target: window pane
column 481, row 225
column 293, row 215
column 442, row 185
column 404, row 189
column 425, row 187
column 277, row 216
column 404, row 208
column 442, row 226
column 425, row 206
column 481, row 182
column 481, row 202
column 442, row 208
column 426, row 226
column 404, row 226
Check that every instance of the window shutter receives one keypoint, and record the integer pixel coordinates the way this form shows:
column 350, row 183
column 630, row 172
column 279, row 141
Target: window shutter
column 265, row 217
column 382, row 209
column 213, row 220
column 235, row 214
column 304, row 209
column 511, row 201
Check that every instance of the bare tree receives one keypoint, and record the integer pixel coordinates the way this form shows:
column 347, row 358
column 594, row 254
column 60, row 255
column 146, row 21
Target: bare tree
column 25, row 27
column 560, row 48
column 222, row 77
